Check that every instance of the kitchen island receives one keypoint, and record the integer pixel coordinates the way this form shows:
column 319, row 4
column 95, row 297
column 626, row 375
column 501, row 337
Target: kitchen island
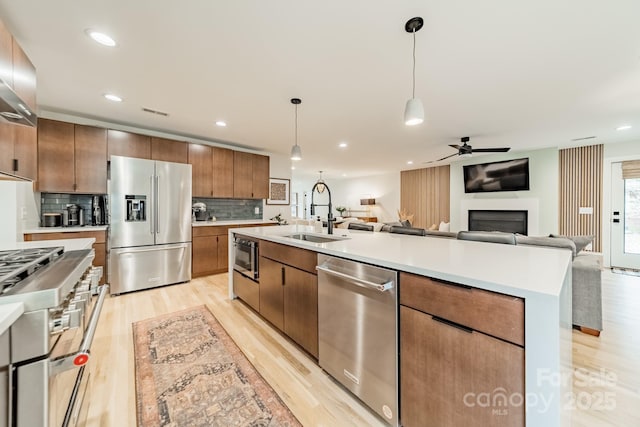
column 541, row 277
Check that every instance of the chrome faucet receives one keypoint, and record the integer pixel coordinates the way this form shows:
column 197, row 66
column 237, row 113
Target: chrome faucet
column 320, row 187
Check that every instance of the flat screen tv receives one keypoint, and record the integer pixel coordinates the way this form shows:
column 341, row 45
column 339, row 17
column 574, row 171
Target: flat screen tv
column 508, row 175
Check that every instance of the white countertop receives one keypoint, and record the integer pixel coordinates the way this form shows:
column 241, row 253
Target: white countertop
column 69, row 244
column 65, row 229
column 232, row 222
column 9, row 313
column 515, row 270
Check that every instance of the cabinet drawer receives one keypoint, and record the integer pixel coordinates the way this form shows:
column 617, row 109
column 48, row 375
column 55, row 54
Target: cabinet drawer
column 247, row 290
column 289, row 255
column 209, row 230
column 492, row 313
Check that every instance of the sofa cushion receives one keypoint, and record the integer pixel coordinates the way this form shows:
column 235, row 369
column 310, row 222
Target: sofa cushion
column 377, row 226
column 581, row 242
column 553, row 242
column 437, row 233
column 408, row 230
column 488, row 236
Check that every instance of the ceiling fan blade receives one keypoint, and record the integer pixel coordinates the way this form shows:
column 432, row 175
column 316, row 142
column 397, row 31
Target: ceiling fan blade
column 456, row 146
column 491, row 150
column 433, row 161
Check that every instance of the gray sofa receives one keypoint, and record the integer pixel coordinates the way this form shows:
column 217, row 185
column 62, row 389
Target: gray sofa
column 586, row 272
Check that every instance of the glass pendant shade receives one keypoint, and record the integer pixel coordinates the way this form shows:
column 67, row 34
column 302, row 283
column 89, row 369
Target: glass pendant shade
column 296, row 153
column 413, row 112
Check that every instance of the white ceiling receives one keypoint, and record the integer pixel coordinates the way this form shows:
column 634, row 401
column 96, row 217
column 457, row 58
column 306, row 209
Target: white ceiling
column 507, row 73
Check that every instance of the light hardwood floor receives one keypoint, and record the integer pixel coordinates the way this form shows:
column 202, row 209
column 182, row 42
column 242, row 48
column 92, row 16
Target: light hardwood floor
column 314, row 398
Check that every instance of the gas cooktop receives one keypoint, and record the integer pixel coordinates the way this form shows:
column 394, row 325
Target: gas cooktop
column 15, row 265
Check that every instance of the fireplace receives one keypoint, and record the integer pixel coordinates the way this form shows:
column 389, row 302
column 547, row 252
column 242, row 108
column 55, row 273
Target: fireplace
column 510, row 221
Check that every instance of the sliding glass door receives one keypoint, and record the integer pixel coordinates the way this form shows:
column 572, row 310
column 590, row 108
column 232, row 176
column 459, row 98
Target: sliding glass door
column 625, row 216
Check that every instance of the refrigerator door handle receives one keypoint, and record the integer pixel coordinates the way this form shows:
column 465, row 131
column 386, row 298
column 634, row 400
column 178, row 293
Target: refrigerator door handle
column 157, row 204
column 150, row 214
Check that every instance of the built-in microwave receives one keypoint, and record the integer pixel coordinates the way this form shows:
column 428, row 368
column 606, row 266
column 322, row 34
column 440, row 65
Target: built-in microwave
column 246, row 257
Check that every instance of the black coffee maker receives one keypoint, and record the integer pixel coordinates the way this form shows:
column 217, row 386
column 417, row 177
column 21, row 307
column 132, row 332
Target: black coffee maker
column 98, row 213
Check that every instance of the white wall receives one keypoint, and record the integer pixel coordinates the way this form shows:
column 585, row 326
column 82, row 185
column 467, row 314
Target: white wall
column 347, row 192
column 18, row 210
column 279, row 167
column 613, row 153
column 543, row 184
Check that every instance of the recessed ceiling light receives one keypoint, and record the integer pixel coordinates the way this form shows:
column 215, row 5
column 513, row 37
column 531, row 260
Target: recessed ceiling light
column 101, row 38
column 293, row 168
column 624, row 127
column 410, row 162
column 342, row 145
column 344, row 174
column 112, row 97
column 221, row 123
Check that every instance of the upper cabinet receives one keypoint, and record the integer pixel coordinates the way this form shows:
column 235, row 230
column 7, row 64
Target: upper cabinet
column 64, row 147
column 18, row 144
column 222, row 172
column 250, row 176
column 169, row 150
column 128, row 144
column 212, row 171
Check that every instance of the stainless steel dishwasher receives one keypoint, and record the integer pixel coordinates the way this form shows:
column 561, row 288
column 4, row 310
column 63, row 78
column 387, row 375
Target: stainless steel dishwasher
column 357, row 331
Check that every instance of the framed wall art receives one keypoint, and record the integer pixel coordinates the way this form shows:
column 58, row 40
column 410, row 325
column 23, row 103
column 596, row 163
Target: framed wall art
column 279, row 191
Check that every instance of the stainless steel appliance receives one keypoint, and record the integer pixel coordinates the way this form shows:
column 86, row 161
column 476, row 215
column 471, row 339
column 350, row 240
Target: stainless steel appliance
column 357, row 331
column 150, row 224
column 74, row 216
column 49, row 344
column 200, row 211
column 98, row 210
column 246, row 257
column 51, row 220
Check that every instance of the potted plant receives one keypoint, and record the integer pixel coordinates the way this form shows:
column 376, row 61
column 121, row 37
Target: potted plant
column 341, row 210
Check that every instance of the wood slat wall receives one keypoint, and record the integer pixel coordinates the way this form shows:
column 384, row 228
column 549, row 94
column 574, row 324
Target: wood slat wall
column 425, row 194
column 581, row 186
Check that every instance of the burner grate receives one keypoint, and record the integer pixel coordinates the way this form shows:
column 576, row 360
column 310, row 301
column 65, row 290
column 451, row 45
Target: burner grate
column 17, row 264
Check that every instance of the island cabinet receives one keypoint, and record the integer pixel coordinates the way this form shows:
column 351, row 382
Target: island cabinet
column 209, row 250
column 128, row 144
column 461, row 355
column 288, row 292
column 99, row 246
column 250, row 176
column 72, row 158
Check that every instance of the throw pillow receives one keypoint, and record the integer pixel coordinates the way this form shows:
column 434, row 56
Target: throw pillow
column 581, row 242
column 434, row 227
column 406, row 223
column 377, row 226
column 444, row 226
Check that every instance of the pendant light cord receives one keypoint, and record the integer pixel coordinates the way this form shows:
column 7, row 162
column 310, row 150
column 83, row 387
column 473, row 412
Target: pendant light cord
column 413, row 93
column 296, row 136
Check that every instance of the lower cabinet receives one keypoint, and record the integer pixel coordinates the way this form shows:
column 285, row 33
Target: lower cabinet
column 247, row 289
column 99, row 246
column 209, row 250
column 289, row 298
column 451, row 373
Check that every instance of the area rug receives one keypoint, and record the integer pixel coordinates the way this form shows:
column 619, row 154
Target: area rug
column 627, row 271
column 189, row 372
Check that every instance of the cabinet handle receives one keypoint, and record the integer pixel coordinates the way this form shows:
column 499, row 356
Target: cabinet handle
column 446, row 282
column 282, row 276
column 450, row 323
column 15, row 165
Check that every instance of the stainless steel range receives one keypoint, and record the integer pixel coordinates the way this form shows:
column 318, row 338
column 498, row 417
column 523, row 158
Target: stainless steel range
column 50, row 342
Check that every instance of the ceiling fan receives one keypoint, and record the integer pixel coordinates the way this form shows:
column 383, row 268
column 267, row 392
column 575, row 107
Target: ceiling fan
column 466, row 149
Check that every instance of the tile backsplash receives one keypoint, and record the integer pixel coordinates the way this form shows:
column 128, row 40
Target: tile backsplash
column 56, row 203
column 231, row 209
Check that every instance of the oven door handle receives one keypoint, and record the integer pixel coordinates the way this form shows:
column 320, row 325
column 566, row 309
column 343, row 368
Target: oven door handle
column 81, row 357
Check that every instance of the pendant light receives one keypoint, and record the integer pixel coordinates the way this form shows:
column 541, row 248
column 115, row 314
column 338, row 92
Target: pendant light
column 320, row 186
column 296, row 153
column 414, row 111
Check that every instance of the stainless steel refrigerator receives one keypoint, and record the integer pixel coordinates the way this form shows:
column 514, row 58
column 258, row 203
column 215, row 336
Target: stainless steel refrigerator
column 150, row 224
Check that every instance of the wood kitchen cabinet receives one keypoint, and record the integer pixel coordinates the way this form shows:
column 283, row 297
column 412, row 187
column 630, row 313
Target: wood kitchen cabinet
column 99, row 246
column 24, row 80
column 169, row 150
column 201, row 160
column 19, row 148
column 209, row 250
column 6, row 55
column 222, row 172
column 289, row 292
column 72, row 158
column 452, row 349
column 250, row 176
column 128, row 144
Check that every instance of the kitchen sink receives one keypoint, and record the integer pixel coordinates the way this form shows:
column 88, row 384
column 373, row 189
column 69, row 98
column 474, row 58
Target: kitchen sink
column 314, row 238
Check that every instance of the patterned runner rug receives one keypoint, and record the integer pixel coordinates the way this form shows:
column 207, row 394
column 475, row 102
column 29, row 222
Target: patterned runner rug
column 189, row 372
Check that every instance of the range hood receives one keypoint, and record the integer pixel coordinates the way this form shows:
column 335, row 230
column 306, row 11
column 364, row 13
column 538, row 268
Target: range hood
column 13, row 109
